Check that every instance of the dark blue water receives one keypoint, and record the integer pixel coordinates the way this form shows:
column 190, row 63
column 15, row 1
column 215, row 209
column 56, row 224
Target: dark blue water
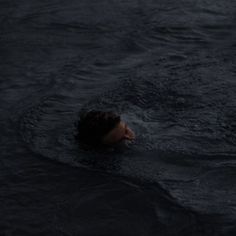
column 168, row 68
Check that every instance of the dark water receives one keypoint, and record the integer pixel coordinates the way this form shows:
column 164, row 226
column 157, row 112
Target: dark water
column 168, row 67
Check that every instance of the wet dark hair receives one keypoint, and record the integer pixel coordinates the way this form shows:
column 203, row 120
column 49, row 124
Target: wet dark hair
column 94, row 125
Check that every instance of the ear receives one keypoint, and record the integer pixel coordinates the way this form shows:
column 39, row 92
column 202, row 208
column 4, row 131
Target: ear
column 130, row 134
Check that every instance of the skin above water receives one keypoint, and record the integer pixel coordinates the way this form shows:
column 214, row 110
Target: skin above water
column 119, row 133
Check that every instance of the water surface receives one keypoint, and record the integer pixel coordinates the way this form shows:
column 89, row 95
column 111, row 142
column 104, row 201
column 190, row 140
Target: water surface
column 168, row 68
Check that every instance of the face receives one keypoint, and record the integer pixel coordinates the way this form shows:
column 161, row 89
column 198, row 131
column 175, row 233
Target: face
column 119, row 133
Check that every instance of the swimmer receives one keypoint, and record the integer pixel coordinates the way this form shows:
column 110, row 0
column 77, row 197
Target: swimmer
column 100, row 128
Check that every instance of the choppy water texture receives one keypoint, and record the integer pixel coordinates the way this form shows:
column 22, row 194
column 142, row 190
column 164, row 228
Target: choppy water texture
column 168, row 68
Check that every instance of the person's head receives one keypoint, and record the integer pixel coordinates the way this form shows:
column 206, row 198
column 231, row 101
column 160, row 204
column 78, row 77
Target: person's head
column 99, row 128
